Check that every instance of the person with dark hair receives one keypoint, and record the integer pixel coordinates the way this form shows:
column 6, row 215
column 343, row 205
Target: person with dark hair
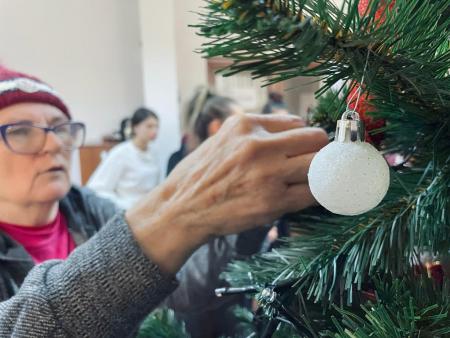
column 206, row 114
column 194, row 302
column 130, row 170
column 212, row 116
column 188, row 140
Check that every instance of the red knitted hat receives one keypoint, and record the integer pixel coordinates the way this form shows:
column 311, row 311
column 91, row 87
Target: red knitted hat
column 17, row 87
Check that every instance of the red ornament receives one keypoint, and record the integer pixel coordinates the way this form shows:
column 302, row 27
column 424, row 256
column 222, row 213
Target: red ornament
column 436, row 272
column 364, row 106
column 379, row 14
column 369, row 295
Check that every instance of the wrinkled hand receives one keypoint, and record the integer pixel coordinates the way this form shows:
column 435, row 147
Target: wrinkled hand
column 251, row 172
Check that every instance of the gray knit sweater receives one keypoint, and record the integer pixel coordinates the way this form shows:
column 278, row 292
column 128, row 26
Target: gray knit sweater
column 104, row 289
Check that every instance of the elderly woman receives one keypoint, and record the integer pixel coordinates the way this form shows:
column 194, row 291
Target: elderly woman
column 105, row 287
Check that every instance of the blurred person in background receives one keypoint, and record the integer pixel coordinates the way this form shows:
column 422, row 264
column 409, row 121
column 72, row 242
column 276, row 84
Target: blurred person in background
column 130, row 169
column 195, row 302
column 275, row 104
column 189, row 140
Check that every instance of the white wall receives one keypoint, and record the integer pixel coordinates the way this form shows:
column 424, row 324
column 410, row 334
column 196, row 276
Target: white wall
column 191, row 67
column 107, row 57
column 159, row 69
column 87, row 49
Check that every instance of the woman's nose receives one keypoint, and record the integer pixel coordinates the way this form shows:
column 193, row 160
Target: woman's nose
column 53, row 143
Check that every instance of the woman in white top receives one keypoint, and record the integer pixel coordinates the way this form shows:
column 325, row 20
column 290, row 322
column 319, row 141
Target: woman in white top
column 130, row 169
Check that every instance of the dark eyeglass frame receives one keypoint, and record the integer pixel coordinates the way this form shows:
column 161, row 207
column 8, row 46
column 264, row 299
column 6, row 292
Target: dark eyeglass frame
column 4, row 128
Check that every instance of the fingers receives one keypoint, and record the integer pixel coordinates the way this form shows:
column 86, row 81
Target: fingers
column 298, row 197
column 296, row 142
column 273, row 123
column 296, row 169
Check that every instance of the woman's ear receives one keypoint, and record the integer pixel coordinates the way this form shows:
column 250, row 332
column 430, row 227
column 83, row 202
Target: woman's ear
column 214, row 126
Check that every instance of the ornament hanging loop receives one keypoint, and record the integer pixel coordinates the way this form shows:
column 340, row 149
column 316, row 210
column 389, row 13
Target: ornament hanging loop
column 350, row 114
column 350, row 128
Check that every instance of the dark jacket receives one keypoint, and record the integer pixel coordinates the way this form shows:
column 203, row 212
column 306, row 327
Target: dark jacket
column 85, row 214
column 195, row 301
column 103, row 289
column 176, row 157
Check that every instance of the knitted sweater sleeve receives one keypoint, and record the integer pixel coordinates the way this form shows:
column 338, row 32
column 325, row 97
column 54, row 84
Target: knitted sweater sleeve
column 104, row 289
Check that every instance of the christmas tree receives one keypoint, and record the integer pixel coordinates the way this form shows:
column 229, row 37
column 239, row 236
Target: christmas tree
column 383, row 273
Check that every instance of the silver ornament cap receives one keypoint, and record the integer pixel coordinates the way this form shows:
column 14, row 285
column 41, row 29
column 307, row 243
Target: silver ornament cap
column 350, row 130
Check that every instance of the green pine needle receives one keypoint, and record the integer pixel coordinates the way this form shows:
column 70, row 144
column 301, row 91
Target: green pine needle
column 334, row 258
column 162, row 323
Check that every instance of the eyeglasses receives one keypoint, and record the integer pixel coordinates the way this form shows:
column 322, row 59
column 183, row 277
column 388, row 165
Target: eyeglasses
column 28, row 139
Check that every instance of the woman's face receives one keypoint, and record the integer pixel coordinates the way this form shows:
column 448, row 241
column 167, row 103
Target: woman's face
column 147, row 130
column 43, row 177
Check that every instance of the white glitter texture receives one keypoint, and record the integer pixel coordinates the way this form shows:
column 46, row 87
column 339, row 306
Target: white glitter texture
column 349, row 178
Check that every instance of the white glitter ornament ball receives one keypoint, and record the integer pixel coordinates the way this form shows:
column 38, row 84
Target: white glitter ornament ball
column 348, row 177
